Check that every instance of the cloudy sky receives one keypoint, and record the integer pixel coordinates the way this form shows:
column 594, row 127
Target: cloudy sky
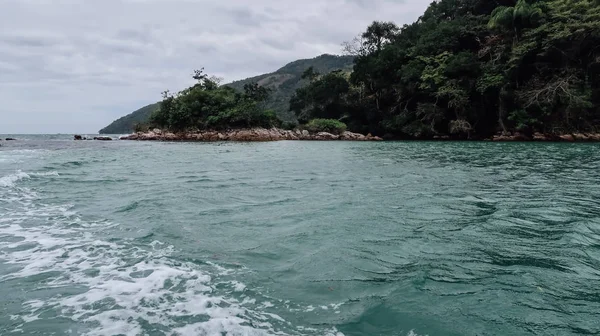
column 73, row 66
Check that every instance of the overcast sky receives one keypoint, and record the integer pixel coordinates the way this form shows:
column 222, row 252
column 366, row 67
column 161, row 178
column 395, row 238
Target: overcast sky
column 73, row 66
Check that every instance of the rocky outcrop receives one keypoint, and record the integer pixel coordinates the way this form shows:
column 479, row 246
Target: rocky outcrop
column 10, row 139
column 575, row 137
column 103, row 138
column 245, row 135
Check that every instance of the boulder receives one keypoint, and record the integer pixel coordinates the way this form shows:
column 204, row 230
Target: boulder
column 102, row 138
column 77, row 137
column 10, row 139
column 157, row 131
column 581, row 137
column 537, row 136
column 305, row 133
column 520, row 137
column 326, row 136
column 352, row 136
column 501, row 138
column 594, row 137
column 567, row 137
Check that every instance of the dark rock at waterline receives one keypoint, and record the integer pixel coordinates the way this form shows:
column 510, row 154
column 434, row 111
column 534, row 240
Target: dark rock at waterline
column 10, row 139
column 77, row 137
column 103, row 138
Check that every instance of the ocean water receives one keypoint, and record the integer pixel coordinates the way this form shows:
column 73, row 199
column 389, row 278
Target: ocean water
column 298, row 238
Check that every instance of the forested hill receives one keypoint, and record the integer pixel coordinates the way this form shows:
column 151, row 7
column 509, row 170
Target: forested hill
column 470, row 69
column 282, row 82
column 126, row 124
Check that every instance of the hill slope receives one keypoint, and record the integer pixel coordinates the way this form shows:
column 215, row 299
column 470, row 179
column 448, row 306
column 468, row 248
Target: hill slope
column 282, row 82
column 126, row 124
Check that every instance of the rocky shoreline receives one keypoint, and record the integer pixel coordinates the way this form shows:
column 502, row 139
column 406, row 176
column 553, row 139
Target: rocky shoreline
column 277, row 134
column 253, row 134
column 541, row 137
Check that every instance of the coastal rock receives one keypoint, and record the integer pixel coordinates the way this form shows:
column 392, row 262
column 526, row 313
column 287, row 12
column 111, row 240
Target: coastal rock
column 77, row 137
column 252, row 134
column 326, row 136
column 594, row 137
column 540, row 137
column 520, row 137
column 102, row 138
column 567, row 137
column 157, row 131
column 10, row 139
column 581, row 137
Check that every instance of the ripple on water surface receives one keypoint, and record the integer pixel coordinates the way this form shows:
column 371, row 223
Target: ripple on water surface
column 300, row 238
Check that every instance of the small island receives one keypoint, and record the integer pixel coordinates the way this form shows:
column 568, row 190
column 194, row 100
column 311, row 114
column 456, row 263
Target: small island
column 208, row 111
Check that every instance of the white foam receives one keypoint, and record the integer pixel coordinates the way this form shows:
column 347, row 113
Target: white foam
column 9, row 180
column 154, row 289
column 122, row 286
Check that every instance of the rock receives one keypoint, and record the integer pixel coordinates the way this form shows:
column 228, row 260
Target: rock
column 353, row 136
column 77, row 137
column 500, row 138
column 594, row 137
column 157, row 131
column 10, row 139
column 222, row 136
column 537, row 136
column 305, row 133
column 567, row 137
column 102, row 138
column 520, row 137
column 581, row 137
column 298, row 132
column 326, row 136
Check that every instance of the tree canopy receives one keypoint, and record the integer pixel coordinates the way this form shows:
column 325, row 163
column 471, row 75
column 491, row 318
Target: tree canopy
column 208, row 105
column 469, row 68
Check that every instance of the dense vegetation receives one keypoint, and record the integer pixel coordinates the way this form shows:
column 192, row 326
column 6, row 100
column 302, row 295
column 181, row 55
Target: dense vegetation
column 208, row 105
column 281, row 83
column 468, row 68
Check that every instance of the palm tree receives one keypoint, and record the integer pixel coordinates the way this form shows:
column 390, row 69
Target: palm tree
column 525, row 14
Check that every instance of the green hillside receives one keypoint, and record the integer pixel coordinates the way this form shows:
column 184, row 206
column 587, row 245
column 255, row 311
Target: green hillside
column 125, row 124
column 283, row 83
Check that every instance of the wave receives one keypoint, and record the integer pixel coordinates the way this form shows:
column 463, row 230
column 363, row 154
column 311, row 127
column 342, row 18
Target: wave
column 117, row 286
column 12, row 179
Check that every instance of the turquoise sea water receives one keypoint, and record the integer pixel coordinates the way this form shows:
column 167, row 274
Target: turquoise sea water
column 298, row 238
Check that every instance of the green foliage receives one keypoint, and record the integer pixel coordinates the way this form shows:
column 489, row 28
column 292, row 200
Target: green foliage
column 326, row 125
column 282, row 84
column 472, row 68
column 207, row 105
column 324, row 97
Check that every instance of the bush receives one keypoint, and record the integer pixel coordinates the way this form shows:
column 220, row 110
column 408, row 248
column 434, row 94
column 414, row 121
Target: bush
column 289, row 125
column 326, row 125
column 141, row 127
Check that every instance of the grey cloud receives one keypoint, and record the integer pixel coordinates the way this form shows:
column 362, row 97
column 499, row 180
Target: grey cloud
column 75, row 65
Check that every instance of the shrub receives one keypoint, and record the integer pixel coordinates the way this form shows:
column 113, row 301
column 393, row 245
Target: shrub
column 141, row 127
column 326, row 125
column 289, row 125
